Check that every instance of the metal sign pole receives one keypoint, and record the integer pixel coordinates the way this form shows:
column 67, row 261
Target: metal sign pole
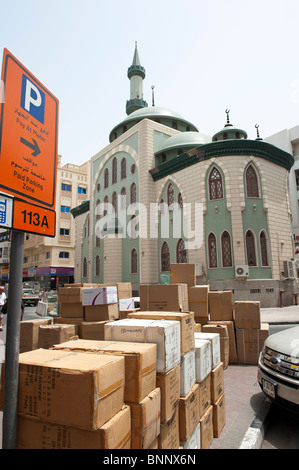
column 11, row 376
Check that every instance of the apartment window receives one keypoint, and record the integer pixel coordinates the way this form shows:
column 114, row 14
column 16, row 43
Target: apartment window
column 212, row 251
column 48, row 255
column 25, row 257
column 66, row 187
column 65, row 209
column 215, row 184
column 64, row 254
column 81, row 190
column 64, row 231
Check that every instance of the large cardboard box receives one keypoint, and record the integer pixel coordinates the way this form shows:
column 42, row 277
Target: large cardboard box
column 194, row 440
column 145, row 420
column 70, row 294
column 72, row 310
column 55, row 333
column 70, row 321
column 125, row 313
column 169, row 437
column 102, row 312
column 164, row 333
column 29, row 331
column 224, row 340
column 219, row 418
column 204, row 395
column 250, row 342
column 33, row 433
column 188, row 374
column 93, row 330
column 186, row 320
column 189, row 413
column 203, row 359
column 171, row 297
column 124, row 289
column 217, row 383
column 247, row 314
column 206, row 428
column 183, row 273
column 140, row 363
column 221, row 305
column 214, row 339
column 169, row 385
column 70, row 388
column 199, row 302
column 99, row 295
column 231, row 337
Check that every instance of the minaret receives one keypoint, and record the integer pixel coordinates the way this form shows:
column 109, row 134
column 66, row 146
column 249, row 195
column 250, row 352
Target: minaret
column 136, row 75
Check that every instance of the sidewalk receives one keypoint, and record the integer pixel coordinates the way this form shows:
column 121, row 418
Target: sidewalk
column 245, row 404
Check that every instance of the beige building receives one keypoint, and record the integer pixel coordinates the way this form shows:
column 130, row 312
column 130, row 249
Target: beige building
column 47, row 260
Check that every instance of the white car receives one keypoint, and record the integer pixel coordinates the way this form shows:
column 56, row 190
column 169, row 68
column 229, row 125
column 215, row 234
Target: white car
column 278, row 368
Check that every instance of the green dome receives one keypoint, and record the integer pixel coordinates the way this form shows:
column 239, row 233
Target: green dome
column 184, row 140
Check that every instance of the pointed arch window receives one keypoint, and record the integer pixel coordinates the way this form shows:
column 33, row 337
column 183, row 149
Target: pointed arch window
column 215, row 184
column 170, row 196
column 180, row 201
column 114, row 170
column 123, row 198
column 212, row 251
column 84, row 267
column 98, row 266
column 133, row 193
column 264, row 249
column 250, row 248
column 114, row 201
column 181, row 253
column 252, row 186
column 227, row 261
column 98, row 216
column 134, row 261
column 105, row 205
column 165, row 257
column 123, row 168
column 106, row 178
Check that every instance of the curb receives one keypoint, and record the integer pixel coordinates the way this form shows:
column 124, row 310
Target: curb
column 255, row 433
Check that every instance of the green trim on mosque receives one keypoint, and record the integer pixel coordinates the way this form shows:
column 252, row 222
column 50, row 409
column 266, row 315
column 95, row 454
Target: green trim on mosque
column 223, row 148
column 81, row 209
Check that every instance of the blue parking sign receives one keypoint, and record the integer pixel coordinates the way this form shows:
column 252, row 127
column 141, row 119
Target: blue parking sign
column 33, row 99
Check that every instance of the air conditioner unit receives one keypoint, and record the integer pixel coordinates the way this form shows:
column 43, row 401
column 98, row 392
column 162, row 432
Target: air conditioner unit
column 289, row 268
column 241, row 271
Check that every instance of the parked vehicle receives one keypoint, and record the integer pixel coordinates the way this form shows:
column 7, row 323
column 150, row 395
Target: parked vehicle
column 30, row 295
column 278, row 368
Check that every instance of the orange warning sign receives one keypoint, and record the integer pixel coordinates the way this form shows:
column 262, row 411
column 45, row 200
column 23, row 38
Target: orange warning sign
column 28, row 136
column 29, row 217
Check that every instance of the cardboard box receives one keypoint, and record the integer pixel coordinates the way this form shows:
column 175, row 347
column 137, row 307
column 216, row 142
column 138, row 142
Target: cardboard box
column 188, row 374
column 55, row 333
column 250, row 342
column 224, row 340
column 70, row 388
column 204, row 395
column 169, row 437
column 165, row 334
column 72, row 310
column 183, row 273
column 194, row 440
column 203, row 359
column 221, row 305
column 99, row 295
column 124, row 289
column 70, row 321
column 214, row 339
column 247, row 314
column 217, row 383
column 206, row 428
column 219, row 415
column 126, row 304
column 101, row 312
column 93, row 330
column 125, row 313
column 29, row 331
column 189, row 413
column 169, row 385
column 199, row 302
column 145, row 420
column 171, row 297
column 231, row 337
column 70, row 294
column 140, row 363
column 186, row 320
column 33, row 433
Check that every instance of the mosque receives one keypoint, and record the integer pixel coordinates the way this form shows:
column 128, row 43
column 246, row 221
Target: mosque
column 162, row 192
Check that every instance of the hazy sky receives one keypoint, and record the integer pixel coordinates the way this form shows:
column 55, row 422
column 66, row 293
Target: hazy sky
column 203, row 56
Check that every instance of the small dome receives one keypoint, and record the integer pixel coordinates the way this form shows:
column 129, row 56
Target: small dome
column 229, row 131
column 183, row 140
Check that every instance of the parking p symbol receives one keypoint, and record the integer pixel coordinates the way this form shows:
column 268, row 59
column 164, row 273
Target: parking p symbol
column 33, row 99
